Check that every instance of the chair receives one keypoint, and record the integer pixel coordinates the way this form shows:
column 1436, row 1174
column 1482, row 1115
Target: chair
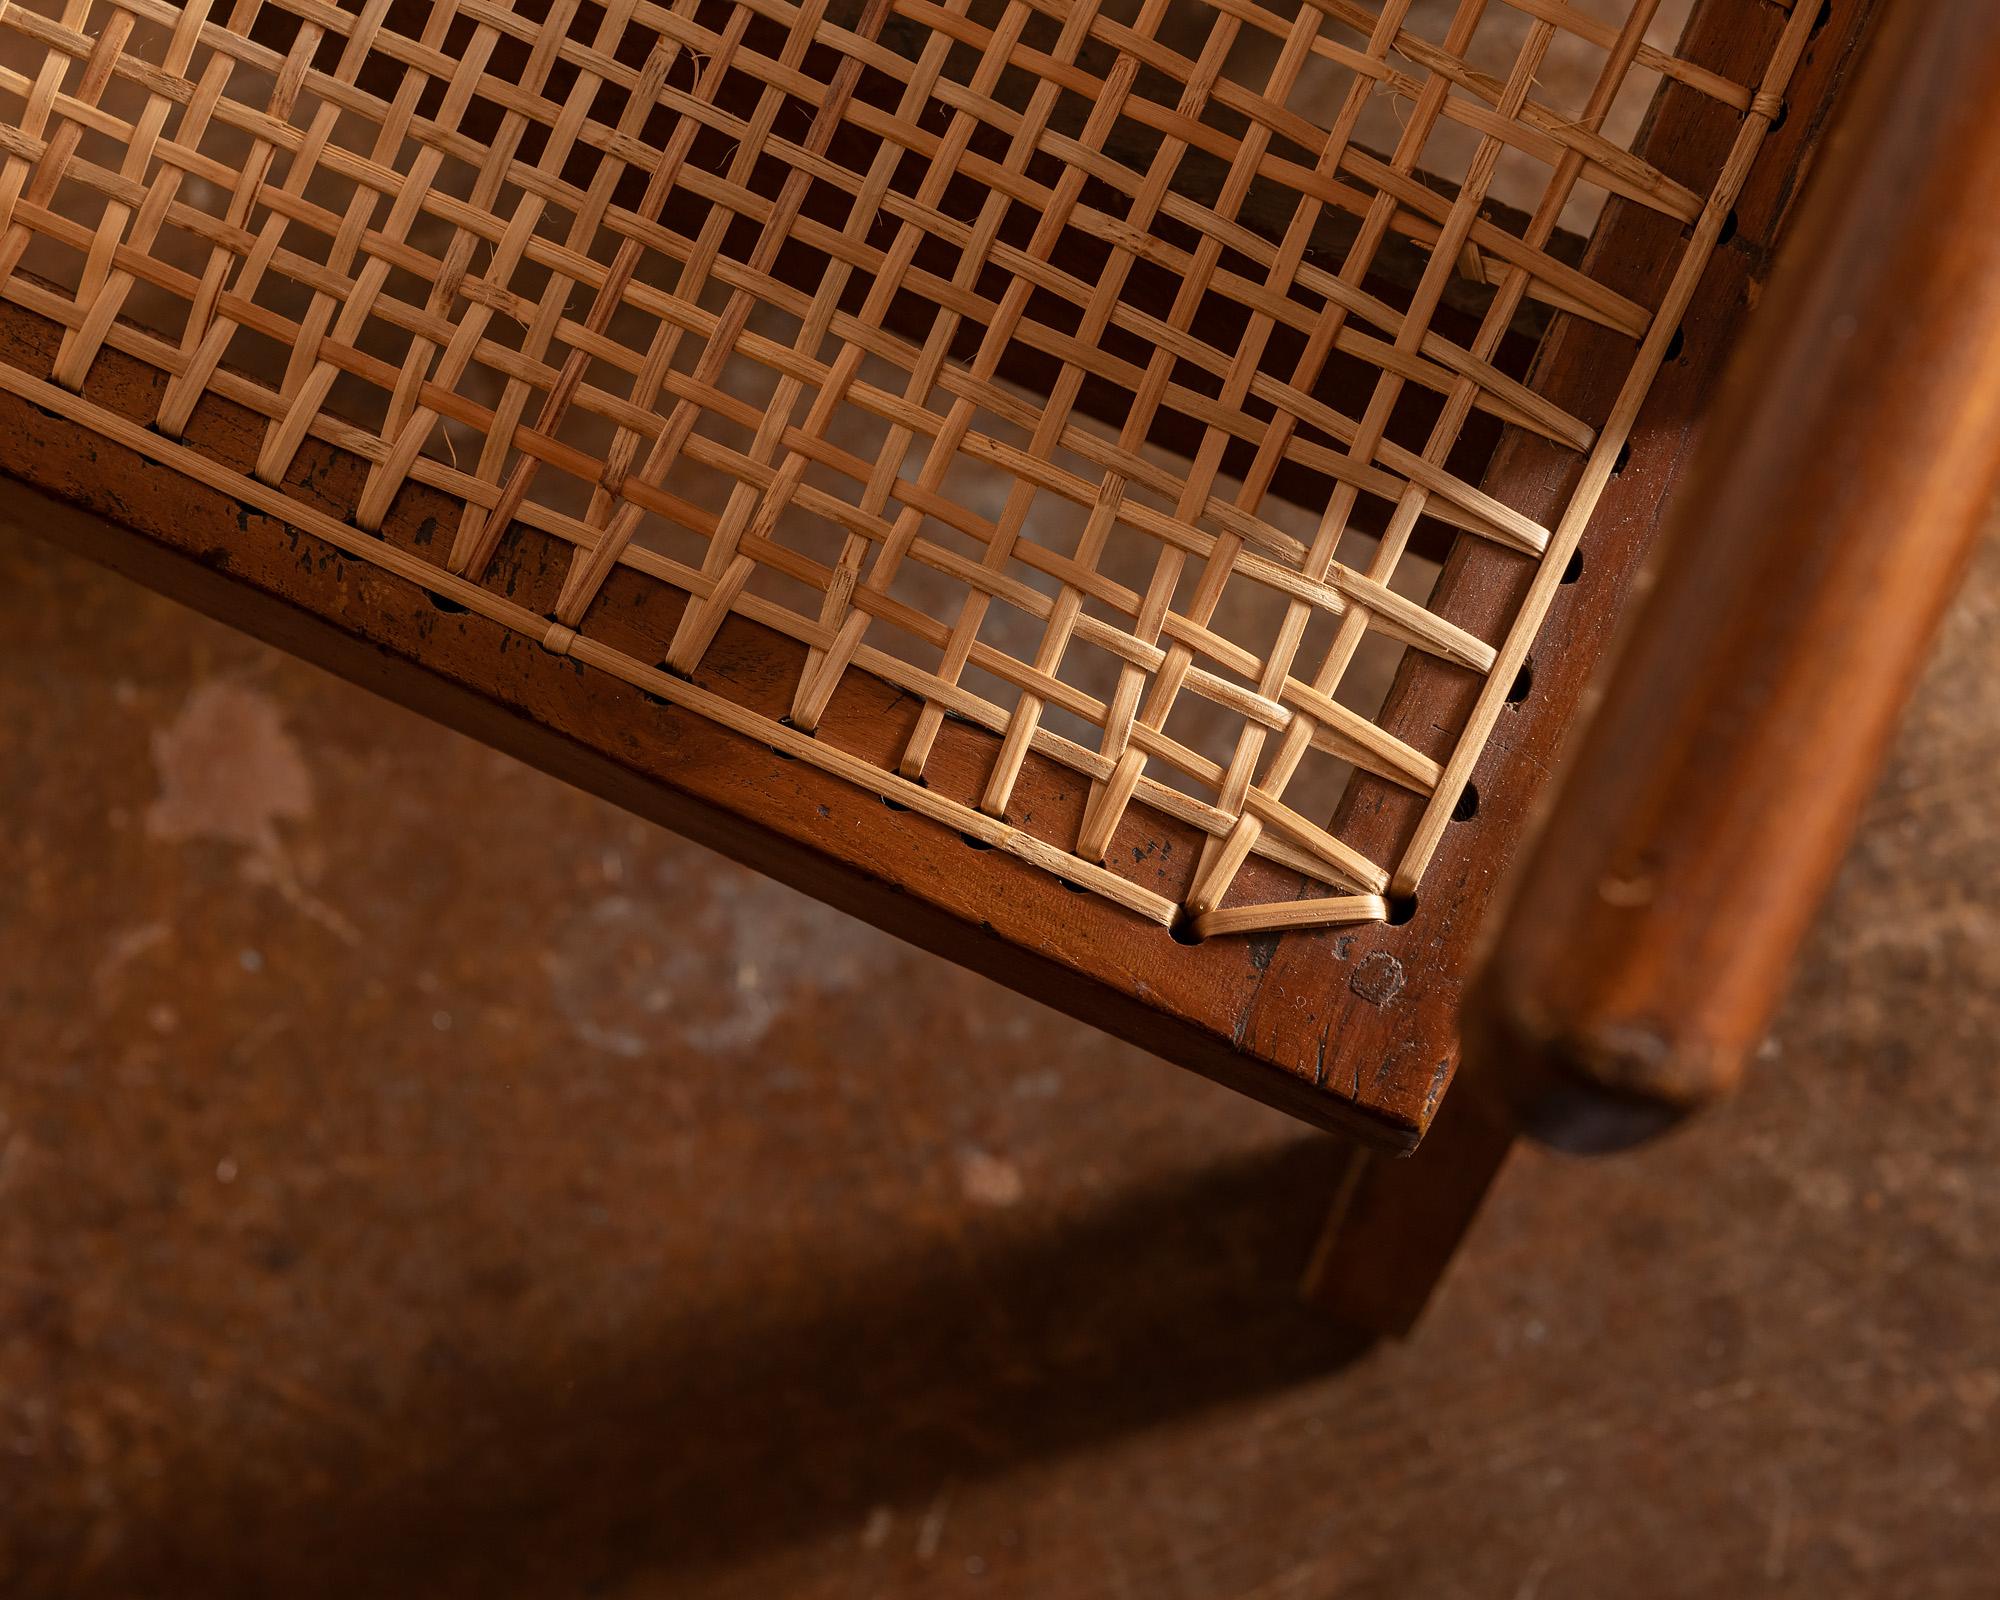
column 1127, row 495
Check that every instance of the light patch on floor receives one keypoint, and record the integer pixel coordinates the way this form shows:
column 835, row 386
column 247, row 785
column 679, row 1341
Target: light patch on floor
column 703, row 958
column 989, row 1180
column 230, row 772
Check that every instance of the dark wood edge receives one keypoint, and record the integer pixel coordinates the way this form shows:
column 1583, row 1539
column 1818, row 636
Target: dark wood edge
column 1854, row 460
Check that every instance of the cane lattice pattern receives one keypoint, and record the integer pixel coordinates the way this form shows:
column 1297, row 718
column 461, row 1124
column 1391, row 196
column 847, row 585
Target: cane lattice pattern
column 739, row 297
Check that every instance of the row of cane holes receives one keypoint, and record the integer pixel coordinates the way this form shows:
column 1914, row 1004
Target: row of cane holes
column 1401, row 907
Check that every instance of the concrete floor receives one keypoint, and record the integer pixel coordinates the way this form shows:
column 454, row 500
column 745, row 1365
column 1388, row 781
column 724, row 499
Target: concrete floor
column 418, row 1179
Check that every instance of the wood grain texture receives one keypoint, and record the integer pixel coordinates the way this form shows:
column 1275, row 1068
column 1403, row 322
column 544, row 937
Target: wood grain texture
column 1853, row 457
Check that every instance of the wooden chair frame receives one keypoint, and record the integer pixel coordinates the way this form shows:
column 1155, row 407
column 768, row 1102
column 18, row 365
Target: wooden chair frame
column 1698, row 821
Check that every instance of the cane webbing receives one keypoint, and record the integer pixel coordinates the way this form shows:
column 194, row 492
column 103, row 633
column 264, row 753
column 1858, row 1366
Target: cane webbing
column 740, row 298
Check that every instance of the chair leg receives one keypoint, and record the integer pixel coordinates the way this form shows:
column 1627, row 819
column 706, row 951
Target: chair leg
column 1397, row 1220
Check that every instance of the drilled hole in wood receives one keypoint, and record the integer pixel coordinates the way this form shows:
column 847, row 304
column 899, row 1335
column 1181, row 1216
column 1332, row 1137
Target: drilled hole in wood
column 1402, row 907
column 1524, row 680
column 1466, row 807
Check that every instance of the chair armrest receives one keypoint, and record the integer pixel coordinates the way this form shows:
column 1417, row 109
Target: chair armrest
column 1846, row 472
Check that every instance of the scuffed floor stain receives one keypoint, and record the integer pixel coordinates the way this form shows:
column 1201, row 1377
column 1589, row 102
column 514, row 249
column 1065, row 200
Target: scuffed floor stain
column 705, row 958
column 989, row 1180
column 125, row 948
column 230, row 772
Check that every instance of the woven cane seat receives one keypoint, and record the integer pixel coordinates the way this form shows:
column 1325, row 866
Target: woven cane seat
column 1114, row 377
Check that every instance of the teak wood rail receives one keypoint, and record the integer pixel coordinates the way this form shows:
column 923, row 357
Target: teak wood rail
column 1844, row 478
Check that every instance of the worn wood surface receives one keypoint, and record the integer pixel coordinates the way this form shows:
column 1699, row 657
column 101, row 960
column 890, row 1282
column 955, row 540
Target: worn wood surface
column 1846, row 475
column 1354, row 1029
column 395, row 1201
